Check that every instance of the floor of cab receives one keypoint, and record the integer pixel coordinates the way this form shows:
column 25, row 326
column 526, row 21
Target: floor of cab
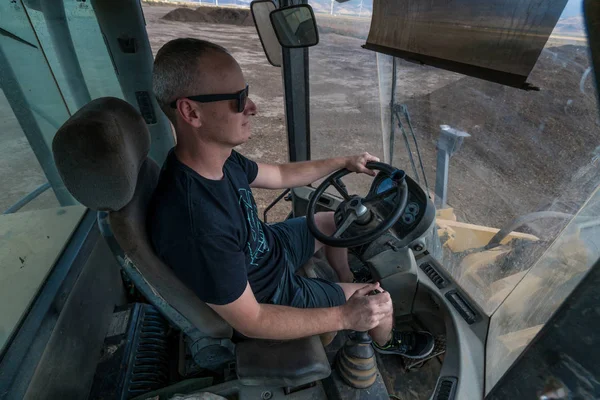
column 402, row 380
column 415, row 384
column 407, row 379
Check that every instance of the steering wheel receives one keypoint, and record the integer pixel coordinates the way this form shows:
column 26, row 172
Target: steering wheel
column 358, row 210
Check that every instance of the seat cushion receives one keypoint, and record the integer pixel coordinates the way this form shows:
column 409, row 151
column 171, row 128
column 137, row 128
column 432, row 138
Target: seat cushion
column 281, row 363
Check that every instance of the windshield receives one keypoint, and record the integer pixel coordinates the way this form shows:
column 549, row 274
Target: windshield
column 528, row 163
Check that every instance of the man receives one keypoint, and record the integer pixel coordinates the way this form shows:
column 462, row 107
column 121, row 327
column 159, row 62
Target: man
column 204, row 221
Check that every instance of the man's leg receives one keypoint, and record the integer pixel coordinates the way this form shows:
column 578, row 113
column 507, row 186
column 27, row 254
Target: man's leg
column 336, row 256
column 382, row 333
column 317, row 293
column 302, row 292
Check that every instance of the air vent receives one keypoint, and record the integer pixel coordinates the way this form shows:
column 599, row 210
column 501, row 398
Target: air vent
column 446, row 388
column 462, row 306
column 135, row 357
column 435, row 277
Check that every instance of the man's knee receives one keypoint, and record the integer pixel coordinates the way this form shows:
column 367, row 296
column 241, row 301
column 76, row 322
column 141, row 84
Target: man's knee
column 350, row 288
column 325, row 222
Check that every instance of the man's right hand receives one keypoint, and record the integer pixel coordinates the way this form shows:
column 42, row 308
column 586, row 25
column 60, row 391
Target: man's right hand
column 363, row 311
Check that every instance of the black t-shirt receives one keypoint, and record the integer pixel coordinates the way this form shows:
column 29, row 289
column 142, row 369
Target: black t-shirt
column 209, row 232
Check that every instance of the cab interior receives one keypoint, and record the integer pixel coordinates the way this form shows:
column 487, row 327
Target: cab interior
column 89, row 311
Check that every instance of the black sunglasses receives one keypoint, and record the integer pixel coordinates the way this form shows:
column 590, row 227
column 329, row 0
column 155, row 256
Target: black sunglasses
column 240, row 96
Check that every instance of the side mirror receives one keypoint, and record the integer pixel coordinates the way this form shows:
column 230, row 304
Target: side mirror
column 261, row 10
column 295, row 26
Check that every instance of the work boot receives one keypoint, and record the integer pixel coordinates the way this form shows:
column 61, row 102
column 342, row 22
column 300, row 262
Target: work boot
column 408, row 344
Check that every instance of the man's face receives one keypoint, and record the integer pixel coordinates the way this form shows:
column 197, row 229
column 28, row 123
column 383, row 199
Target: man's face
column 220, row 121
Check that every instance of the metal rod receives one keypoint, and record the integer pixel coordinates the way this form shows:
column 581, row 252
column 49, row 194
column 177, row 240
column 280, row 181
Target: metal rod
column 407, row 144
column 441, row 183
column 412, row 132
column 591, row 12
column 286, row 191
column 32, row 195
column 392, row 100
column 448, row 144
column 522, row 220
column 6, row 33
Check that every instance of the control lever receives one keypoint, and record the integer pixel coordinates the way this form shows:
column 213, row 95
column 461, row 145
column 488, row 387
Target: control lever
column 356, row 362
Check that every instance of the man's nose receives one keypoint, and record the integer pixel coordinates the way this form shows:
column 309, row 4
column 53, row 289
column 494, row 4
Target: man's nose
column 251, row 108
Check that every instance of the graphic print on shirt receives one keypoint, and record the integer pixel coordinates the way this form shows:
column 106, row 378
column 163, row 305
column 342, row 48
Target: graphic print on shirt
column 257, row 246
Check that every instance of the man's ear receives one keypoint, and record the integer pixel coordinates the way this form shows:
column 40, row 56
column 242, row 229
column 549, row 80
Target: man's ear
column 189, row 112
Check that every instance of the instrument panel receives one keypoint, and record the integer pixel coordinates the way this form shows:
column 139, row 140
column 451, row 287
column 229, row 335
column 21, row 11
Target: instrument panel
column 416, row 204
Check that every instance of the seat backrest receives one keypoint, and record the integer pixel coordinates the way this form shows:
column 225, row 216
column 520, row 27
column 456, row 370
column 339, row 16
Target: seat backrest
column 101, row 155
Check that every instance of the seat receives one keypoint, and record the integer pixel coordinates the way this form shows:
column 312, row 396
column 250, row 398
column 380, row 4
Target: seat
column 271, row 363
column 101, row 154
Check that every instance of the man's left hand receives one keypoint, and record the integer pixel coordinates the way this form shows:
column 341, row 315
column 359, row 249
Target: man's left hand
column 359, row 163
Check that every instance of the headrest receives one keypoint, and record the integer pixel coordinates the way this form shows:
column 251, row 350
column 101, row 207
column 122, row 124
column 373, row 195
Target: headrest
column 99, row 152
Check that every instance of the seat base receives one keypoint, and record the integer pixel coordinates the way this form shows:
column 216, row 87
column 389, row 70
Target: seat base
column 281, row 363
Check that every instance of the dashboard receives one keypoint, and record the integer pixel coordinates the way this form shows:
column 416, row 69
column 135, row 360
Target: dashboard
column 418, row 206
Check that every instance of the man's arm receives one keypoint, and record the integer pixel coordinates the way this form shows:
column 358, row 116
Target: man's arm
column 268, row 321
column 306, row 172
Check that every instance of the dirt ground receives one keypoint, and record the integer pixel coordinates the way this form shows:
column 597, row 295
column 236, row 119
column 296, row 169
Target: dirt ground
column 529, row 151
column 218, row 15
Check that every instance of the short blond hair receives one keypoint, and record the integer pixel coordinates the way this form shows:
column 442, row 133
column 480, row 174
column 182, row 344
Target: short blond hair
column 176, row 68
